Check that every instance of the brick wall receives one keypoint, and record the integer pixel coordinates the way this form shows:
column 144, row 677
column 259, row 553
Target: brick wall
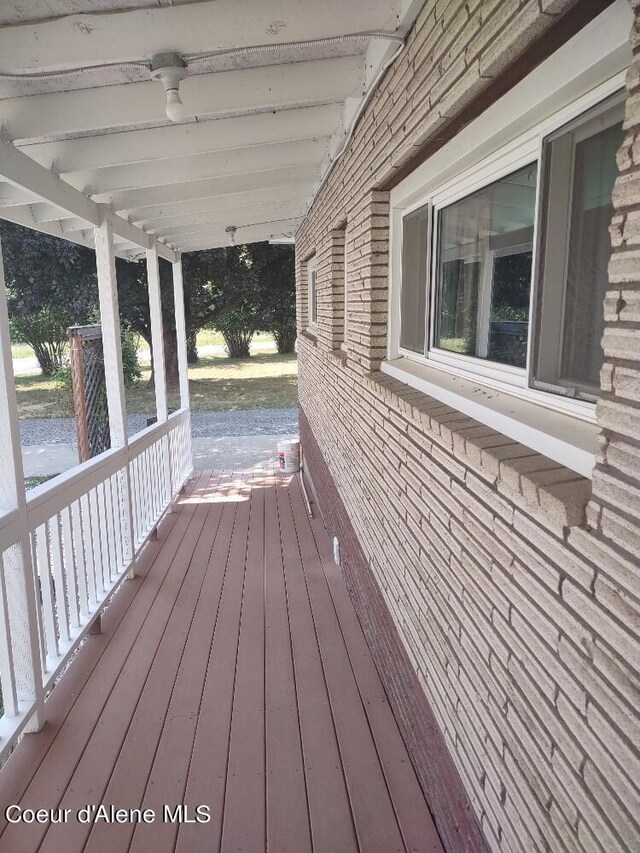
column 518, row 612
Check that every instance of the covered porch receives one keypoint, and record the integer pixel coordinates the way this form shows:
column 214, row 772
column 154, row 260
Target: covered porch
column 165, row 639
column 230, row 673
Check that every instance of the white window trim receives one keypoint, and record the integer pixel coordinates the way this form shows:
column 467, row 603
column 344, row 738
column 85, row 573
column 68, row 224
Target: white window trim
column 476, row 178
column 508, row 136
column 345, row 297
column 312, row 290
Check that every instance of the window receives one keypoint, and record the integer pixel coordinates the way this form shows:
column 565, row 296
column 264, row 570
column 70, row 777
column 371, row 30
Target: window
column 470, row 298
column 483, row 271
column 345, row 322
column 312, row 284
column 580, row 171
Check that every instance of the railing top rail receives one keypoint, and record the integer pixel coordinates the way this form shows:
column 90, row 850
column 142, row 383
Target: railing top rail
column 47, row 499
column 146, row 437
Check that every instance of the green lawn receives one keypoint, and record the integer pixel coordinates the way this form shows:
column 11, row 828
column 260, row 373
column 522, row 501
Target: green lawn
column 217, row 384
column 207, row 337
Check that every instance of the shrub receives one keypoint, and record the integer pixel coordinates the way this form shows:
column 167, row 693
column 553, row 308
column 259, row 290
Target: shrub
column 237, row 327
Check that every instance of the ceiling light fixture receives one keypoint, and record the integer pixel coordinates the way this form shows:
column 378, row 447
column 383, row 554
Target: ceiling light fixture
column 170, row 69
column 231, row 231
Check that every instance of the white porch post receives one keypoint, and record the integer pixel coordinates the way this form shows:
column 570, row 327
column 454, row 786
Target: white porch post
column 114, row 379
column 19, row 643
column 159, row 371
column 181, row 332
column 183, row 366
column 157, row 338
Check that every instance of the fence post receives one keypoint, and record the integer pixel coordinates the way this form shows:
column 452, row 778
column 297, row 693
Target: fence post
column 17, row 561
column 159, row 369
column 114, row 379
column 79, row 396
column 183, row 366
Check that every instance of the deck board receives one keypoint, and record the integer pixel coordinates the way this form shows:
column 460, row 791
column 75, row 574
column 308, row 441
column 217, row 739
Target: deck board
column 231, row 673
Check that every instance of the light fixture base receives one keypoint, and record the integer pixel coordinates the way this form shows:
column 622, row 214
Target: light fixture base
column 169, row 68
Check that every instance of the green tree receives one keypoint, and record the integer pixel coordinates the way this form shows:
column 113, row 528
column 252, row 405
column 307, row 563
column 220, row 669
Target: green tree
column 215, row 281
column 51, row 285
column 275, row 271
column 238, row 328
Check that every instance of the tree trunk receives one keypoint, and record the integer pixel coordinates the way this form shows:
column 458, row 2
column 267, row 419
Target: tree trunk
column 285, row 338
column 44, row 359
column 192, row 347
column 171, row 356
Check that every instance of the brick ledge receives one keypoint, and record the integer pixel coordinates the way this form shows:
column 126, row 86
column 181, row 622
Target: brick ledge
column 554, row 494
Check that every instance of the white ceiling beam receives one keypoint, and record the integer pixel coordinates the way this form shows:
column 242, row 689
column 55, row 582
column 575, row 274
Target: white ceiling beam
column 11, row 196
column 132, row 200
column 116, row 36
column 239, row 217
column 191, row 138
column 250, row 234
column 68, row 114
column 22, row 216
column 101, row 184
column 22, row 172
column 196, row 232
column 187, row 211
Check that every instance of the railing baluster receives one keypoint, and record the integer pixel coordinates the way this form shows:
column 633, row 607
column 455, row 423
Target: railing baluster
column 147, row 491
column 70, row 568
column 46, row 592
column 58, row 578
column 112, row 567
column 40, row 624
column 117, row 532
column 96, row 539
column 7, row 670
column 81, row 565
column 104, row 539
column 89, row 551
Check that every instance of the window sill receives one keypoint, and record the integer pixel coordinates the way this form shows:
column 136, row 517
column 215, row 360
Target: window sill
column 566, row 439
column 310, row 336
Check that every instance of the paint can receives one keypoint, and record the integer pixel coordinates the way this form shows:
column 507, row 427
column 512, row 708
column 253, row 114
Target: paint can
column 289, row 457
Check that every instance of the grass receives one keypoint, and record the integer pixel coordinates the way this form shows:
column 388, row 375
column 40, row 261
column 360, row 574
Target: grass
column 205, row 338
column 217, row 384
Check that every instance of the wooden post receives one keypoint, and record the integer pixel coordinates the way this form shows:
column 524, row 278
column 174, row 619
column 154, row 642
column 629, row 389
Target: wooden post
column 79, row 398
column 114, row 379
column 18, row 587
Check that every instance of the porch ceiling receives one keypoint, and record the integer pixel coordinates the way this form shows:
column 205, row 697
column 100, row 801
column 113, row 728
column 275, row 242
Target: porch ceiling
column 271, row 91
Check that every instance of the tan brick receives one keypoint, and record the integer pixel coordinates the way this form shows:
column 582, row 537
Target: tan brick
column 517, row 605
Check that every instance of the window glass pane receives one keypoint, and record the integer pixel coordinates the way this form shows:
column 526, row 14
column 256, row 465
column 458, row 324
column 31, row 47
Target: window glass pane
column 595, row 172
column 314, row 297
column 413, row 295
column 483, row 276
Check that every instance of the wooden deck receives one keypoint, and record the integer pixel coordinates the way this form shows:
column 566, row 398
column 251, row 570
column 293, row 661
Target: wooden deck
column 232, row 673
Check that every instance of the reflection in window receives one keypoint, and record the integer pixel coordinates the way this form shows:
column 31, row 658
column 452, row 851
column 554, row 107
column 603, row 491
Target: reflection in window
column 595, row 172
column 580, row 171
column 483, row 279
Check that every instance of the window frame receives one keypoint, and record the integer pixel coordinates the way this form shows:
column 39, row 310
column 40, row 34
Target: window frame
column 447, row 184
column 442, row 198
column 550, row 331
column 345, row 294
column 312, row 294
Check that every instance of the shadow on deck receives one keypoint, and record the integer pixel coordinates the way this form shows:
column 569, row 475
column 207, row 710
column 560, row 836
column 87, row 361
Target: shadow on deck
column 231, row 673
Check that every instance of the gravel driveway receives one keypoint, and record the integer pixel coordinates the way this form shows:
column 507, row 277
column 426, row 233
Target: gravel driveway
column 37, row 431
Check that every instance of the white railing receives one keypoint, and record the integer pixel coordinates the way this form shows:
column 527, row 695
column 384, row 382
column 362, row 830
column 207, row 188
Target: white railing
column 86, row 529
